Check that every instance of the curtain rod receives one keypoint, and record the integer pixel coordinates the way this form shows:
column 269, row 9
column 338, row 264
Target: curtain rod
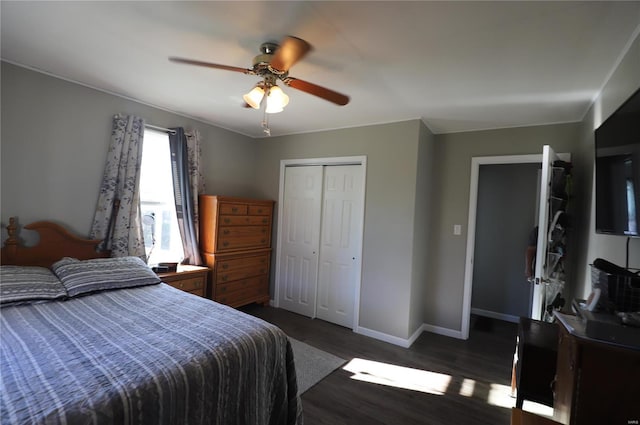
column 154, row 127
column 164, row 130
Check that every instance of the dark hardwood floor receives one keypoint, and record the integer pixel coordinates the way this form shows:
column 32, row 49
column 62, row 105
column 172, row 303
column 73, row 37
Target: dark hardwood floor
column 479, row 370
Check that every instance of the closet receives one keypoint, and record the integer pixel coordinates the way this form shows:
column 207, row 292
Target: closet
column 320, row 241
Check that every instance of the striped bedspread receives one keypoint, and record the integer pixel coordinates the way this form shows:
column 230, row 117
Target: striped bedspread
column 147, row 355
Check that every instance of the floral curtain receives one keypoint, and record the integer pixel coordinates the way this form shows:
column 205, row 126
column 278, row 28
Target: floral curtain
column 186, row 175
column 117, row 220
column 196, row 180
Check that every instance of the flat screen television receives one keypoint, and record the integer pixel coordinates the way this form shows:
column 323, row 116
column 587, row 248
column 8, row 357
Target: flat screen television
column 617, row 143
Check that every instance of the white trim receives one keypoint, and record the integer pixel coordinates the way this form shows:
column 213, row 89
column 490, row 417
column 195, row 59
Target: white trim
column 452, row 333
column 344, row 160
column 407, row 342
column 391, row 339
column 471, row 224
column 494, row 315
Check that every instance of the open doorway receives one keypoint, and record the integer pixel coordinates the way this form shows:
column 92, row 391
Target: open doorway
column 476, row 163
column 506, row 215
column 546, row 159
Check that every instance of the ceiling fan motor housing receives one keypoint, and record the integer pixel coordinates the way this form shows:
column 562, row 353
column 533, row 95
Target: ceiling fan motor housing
column 261, row 63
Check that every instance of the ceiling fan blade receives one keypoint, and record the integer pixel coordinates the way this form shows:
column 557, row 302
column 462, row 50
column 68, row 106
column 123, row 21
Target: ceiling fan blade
column 291, row 50
column 211, row 65
column 316, row 90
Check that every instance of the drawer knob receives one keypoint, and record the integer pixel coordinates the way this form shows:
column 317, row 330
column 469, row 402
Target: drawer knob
column 225, row 277
column 223, row 289
column 264, row 220
column 227, row 220
column 225, row 243
column 263, row 241
column 234, row 209
column 259, row 210
column 225, row 231
column 225, row 266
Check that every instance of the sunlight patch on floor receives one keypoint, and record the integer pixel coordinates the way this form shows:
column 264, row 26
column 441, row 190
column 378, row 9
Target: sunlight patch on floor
column 398, row 376
column 500, row 395
column 538, row 409
column 467, row 387
column 437, row 383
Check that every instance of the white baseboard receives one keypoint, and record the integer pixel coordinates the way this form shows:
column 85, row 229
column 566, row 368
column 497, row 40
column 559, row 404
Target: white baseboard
column 407, row 342
column 494, row 315
column 402, row 342
column 442, row 331
column 391, row 339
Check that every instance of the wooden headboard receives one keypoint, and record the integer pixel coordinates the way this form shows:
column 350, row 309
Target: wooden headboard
column 55, row 242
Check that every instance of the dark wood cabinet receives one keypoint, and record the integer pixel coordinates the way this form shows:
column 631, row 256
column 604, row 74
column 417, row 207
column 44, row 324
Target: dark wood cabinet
column 536, row 365
column 597, row 382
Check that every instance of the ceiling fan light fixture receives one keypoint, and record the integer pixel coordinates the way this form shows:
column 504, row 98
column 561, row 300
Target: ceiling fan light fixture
column 276, row 100
column 254, row 97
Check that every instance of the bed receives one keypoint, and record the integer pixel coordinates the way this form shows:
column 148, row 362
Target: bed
column 138, row 352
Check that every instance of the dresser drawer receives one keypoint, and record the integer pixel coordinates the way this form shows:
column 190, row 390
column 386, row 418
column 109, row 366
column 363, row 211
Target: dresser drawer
column 244, row 220
column 225, row 265
column 241, row 237
column 192, row 279
column 260, row 209
column 241, row 285
column 255, row 291
column 242, row 231
column 233, row 209
column 231, row 275
column 189, row 284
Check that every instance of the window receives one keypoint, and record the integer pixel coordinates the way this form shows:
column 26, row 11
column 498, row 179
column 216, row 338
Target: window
column 159, row 221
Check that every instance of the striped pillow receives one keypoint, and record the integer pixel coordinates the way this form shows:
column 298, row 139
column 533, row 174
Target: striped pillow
column 29, row 283
column 80, row 277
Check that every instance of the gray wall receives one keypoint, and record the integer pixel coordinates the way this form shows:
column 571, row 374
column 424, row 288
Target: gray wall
column 624, row 82
column 392, row 160
column 443, row 300
column 506, row 214
column 422, row 227
column 55, row 136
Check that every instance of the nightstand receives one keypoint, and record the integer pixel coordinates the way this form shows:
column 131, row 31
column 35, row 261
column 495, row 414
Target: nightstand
column 192, row 279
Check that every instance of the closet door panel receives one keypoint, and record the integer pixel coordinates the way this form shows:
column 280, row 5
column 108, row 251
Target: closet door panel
column 339, row 244
column 300, row 239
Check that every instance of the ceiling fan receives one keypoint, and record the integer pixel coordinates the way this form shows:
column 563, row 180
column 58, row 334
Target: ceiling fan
column 273, row 64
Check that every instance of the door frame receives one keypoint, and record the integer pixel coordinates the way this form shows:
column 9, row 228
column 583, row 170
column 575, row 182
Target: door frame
column 476, row 162
column 343, row 160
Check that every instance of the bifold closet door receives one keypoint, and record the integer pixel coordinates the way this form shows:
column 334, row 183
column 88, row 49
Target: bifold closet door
column 321, row 239
column 300, row 237
column 340, row 239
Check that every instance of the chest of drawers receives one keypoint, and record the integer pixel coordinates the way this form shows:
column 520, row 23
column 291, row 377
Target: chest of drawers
column 235, row 239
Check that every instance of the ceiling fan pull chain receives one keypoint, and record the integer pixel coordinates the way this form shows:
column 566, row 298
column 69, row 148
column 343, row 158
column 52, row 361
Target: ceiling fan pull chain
column 265, row 121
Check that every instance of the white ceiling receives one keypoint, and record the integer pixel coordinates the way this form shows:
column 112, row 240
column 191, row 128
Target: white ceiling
column 458, row 66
